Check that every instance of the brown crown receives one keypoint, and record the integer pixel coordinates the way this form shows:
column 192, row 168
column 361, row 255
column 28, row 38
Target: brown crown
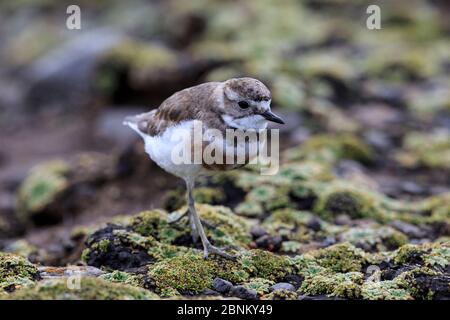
column 249, row 88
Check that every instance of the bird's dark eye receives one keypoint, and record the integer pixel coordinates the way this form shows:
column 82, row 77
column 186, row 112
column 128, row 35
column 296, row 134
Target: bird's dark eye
column 243, row 104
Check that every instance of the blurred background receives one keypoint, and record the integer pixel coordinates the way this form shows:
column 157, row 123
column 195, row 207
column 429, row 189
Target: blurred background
column 66, row 160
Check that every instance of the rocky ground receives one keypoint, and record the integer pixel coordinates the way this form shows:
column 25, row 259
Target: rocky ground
column 360, row 208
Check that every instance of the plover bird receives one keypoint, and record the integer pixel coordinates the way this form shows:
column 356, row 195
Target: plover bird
column 236, row 104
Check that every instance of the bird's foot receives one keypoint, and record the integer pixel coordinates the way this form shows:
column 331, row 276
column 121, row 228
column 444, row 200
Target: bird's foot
column 209, row 248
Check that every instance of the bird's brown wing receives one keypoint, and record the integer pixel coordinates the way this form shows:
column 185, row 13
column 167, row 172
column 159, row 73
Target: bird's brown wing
column 188, row 104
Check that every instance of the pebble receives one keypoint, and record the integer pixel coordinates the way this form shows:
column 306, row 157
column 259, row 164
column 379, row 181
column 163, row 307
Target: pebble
column 314, row 224
column 222, row 286
column 243, row 293
column 282, row 286
column 257, row 232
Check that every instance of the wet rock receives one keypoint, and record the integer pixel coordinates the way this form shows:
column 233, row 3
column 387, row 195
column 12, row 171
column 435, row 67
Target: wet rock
column 243, row 293
column 282, row 286
column 222, row 286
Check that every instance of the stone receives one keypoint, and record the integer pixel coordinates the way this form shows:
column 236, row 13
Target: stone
column 282, row 286
column 222, row 286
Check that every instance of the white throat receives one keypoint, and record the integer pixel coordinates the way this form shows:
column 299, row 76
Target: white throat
column 256, row 122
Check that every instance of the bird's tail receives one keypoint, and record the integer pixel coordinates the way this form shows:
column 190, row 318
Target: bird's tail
column 133, row 123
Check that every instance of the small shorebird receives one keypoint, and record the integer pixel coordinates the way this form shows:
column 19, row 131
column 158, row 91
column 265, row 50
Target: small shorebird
column 236, row 104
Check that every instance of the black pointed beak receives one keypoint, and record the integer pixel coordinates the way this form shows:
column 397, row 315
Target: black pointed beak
column 270, row 116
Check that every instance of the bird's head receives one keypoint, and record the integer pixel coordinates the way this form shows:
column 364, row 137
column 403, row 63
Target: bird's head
column 246, row 104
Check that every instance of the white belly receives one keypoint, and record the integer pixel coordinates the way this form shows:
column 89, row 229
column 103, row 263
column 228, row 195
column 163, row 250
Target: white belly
column 160, row 149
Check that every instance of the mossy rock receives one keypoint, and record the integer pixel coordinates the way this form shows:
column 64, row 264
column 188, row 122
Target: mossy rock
column 117, row 276
column 384, row 290
column 375, row 239
column 338, row 198
column 16, row 271
column 45, row 184
column 260, row 285
column 431, row 150
column 191, row 273
column 424, row 283
column 118, row 248
column 175, row 199
column 330, row 149
column 138, row 61
column 90, row 289
column 345, row 285
column 432, row 255
column 341, row 257
column 264, row 264
column 280, row 295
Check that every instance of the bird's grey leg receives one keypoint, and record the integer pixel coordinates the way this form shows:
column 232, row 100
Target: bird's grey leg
column 207, row 246
column 194, row 233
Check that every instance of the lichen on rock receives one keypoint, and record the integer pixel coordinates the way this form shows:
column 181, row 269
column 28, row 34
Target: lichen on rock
column 89, row 289
column 16, row 272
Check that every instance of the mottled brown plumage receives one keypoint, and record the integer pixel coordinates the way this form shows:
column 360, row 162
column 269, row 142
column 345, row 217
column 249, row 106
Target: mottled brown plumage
column 206, row 102
column 240, row 103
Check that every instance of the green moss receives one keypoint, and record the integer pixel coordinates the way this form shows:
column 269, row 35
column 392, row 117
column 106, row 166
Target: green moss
column 42, row 187
column 223, row 227
column 431, row 255
column 383, row 290
column 431, row 150
column 122, row 277
column 135, row 59
column 175, row 199
column 260, row 285
column 339, row 198
column 379, row 239
column 263, row 264
column 16, row 271
column 330, row 149
column 90, row 289
column 342, row 257
column 280, row 295
column 155, row 223
column 192, row 273
column 417, row 282
column 346, row 285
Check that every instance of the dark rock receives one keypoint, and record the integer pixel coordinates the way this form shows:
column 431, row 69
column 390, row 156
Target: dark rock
column 243, row 293
column 116, row 254
column 282, row 286
column 209, row 292
column 293, row 279
column 343, row 220
column 378, row 139
column 314, row 224
column 328, row 242
column 318, row 297
column 64, row 73
column 271, row 243
column 410, row 230
column 257, row 232
column 222, row 286
column 412, row 188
